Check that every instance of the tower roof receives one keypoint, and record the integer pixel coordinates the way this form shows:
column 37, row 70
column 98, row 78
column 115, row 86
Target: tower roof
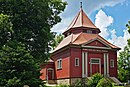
column 81, row 20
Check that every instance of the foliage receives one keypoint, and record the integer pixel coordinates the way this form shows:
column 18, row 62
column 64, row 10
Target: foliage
column 5, row 29
column 104, row 82
column 32, row 21
column 124, row 61
column 128, row 26
column 124, row 64
column 58, row 38
column 80, row 83
column 123, row 75
column 25, row 37
column 94, row 80
column 17, row 66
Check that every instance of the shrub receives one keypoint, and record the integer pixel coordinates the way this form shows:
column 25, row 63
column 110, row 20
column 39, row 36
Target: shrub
column 104, row 82
column 80, row 83
column 123, row 74
column 94, row 80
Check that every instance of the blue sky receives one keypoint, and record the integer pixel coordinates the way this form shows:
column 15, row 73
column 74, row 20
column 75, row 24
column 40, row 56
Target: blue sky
column 110, row 16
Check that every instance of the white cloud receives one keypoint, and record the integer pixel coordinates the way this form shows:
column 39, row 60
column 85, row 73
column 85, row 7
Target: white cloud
column 102, row 3
column 103, row 21
column 89, row 6
column 120, row 41
column 62, row 26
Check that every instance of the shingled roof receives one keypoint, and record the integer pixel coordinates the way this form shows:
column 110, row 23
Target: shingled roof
column 81, row 38
column 81, row 20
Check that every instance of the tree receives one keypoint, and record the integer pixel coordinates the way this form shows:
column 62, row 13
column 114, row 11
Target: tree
column 58, row 38
column 32, row 21
column 124, row 61
column 128, row 26
column 17, row 66
column 124, row 64
column 5, row 29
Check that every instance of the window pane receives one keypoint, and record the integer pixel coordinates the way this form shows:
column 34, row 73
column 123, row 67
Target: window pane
column 76, row 61
column 60, row 64
column 95, row 61
column 112, row 63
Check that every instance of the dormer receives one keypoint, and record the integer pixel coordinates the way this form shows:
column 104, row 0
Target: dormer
column 81, row 23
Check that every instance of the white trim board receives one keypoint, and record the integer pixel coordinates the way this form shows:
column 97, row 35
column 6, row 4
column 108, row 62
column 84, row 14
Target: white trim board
column 84, row 64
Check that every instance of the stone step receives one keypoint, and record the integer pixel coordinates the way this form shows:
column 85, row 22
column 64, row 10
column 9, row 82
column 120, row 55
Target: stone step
column 51, row 82
column 115, row 80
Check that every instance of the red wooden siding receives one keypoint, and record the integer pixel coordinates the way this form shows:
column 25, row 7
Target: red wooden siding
column 76, row 71
column 64, row 72
column 43, row 74
column 113, row 70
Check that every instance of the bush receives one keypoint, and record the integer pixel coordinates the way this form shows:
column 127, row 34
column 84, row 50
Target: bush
column 104, row 82
column 94, row 80
column 80, row 83
column 123, row 75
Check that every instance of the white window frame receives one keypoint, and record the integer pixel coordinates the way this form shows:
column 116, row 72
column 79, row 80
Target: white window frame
column 76, row 61
column 59, row 64
column 95, row 59
column 112, row 63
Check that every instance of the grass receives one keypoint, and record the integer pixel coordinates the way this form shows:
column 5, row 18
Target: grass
column 59, row 86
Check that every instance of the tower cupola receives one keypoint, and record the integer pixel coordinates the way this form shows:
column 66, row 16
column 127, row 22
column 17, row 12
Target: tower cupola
column 81, row 23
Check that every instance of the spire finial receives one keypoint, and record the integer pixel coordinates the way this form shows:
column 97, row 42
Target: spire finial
column 81, row 5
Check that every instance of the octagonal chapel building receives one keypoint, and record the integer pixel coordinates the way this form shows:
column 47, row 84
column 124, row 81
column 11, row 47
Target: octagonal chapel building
column 82, row 53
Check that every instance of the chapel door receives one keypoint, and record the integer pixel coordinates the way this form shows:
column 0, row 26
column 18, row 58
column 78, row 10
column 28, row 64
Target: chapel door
column 95, row 66
column 50, row 74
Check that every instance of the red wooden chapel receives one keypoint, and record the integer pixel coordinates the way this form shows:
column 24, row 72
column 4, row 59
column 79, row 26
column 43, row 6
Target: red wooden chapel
column 82, row 53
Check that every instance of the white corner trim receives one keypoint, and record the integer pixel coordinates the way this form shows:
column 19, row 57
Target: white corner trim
column 84, row 64
column 86, row 57
column 106, row 64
